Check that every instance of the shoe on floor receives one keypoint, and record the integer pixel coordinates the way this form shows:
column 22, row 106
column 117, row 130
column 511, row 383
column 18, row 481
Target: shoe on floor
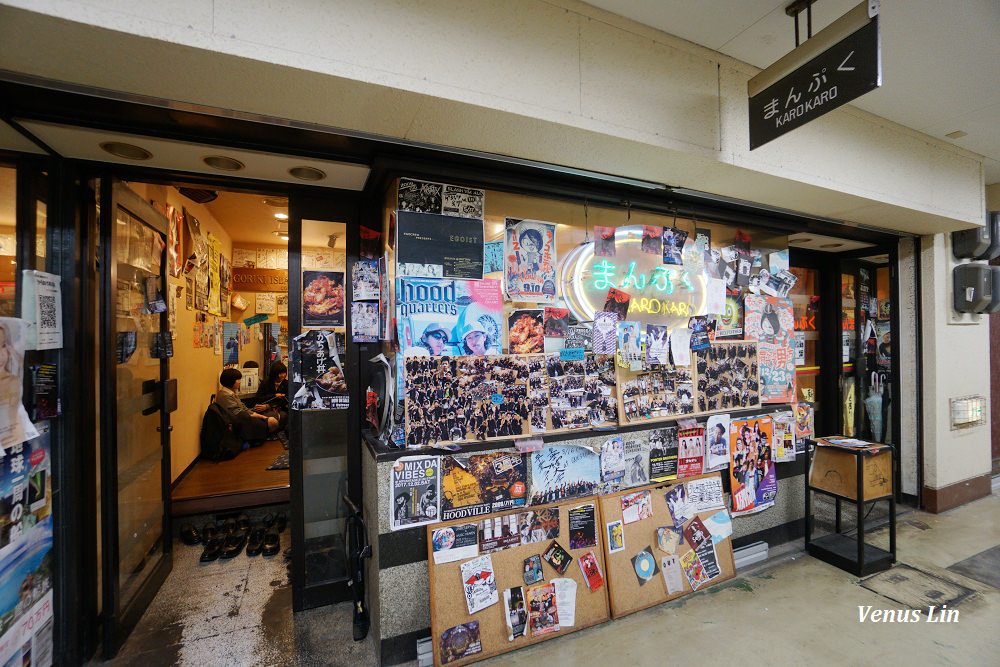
column 272, row 543
column 255, row 543
column 233, row 544
column 280, row 522
column 189, row 535
column 213, row 549
column 268, row 520
column 208, row 531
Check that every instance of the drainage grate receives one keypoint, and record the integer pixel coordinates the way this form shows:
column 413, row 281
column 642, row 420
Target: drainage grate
column 916, row 589
column 983, row 567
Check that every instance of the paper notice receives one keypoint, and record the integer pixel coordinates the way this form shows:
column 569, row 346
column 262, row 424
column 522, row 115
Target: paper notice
column 715, row 297
column 671, row 568
column 720, row 525
column 680, row 346
column 565, row 601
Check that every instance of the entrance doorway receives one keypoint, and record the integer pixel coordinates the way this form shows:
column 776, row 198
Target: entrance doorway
column 229, row 267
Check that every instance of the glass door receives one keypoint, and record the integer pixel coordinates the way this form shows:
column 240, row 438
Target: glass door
column 135, row 455
column 325, row 428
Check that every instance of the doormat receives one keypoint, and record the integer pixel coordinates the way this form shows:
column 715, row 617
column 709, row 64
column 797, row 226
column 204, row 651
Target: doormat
column 983, row 567
column 916, row 589
column 280, row 463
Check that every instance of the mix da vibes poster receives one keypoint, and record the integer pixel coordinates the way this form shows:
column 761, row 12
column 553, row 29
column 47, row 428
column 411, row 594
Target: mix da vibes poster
column 770, row 321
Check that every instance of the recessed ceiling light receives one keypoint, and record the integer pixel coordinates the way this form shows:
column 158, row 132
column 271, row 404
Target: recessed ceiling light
column 283, row 235
column 127, row 151
column 830, row 246
column 281, row 216
column 277, row 202
column 223, row 163
column 957, row 134
column 307, row 173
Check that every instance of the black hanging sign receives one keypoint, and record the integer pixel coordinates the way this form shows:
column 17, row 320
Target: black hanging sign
column 842, row 73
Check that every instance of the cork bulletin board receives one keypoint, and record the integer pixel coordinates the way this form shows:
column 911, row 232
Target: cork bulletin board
column 627, row 594
column 447, row 597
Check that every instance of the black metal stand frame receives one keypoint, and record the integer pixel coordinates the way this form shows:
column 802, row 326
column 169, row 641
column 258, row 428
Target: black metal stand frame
column 840, row 550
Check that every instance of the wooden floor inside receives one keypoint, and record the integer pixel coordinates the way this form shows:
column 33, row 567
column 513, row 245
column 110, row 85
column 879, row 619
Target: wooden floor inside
column 241, row 482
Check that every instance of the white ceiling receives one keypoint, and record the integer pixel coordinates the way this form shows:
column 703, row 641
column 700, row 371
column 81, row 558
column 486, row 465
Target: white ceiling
column 85, row 144
column 940, row 60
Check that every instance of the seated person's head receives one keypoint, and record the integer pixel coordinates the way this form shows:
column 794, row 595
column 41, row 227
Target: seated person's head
column 230, row 378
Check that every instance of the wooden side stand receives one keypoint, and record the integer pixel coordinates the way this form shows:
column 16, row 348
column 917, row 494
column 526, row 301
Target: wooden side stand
column 863, row 476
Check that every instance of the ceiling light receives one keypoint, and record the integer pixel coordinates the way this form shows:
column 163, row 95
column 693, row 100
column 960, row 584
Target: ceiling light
column 307, row 173
column 283, row 235
column 281, row 216
column 277, row 202
column 223, row 163
column 957, row 134
column 831, row 246
column 127, row 151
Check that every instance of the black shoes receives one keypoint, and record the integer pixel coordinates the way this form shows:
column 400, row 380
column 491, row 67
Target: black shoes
column 256, row 542
column 234, row 543
column 189, row 535
column 213, row 548
column 226, row 539
column 272, row 543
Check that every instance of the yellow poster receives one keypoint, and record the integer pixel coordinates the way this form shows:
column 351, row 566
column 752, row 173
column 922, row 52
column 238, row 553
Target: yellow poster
column 214, row 275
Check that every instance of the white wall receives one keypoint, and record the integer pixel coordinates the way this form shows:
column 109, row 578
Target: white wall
column 552, row 80
column 956, row 363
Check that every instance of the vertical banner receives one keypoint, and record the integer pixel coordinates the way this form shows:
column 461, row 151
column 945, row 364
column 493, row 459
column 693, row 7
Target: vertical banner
column 26, row 559
column 771, row 322
column 214, row 275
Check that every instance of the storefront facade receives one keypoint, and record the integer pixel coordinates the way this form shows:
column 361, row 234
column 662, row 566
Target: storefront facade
column 580, row 118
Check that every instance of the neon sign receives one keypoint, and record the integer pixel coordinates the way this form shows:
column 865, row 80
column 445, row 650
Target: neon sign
column 661, row 293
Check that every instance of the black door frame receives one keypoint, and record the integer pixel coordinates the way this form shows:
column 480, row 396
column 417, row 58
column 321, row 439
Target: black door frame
column 120, row 617
column 340, row 206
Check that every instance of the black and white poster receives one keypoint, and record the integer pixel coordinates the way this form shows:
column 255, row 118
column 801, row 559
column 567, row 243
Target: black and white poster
column 415, row 491
column 438, row 246
column 463, row 202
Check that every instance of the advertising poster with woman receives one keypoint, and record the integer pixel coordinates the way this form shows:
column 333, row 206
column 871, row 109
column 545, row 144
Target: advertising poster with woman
column 751, row 472
column 449, row 317
column 770, row 321
column 530, row 260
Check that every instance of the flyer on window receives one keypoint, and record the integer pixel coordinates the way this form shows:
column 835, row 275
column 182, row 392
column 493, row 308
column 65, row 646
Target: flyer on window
column 771, row 322
column 530, row 260
column 438, row 246
column 449, row 317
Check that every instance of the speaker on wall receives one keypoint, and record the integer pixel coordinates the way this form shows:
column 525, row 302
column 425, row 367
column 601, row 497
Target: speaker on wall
column 978, row 242
column 973, row 287
column 995, row 302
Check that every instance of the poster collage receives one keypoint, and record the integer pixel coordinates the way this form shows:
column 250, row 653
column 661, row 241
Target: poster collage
column 453, row 299
column 458, row 311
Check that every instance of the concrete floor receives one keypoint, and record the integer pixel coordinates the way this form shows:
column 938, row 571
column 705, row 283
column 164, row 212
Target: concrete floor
column 792, row 610
column 238, row 612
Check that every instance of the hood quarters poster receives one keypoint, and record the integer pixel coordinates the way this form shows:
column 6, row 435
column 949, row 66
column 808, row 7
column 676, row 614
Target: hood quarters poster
column 449, row 317
column 530, row 260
